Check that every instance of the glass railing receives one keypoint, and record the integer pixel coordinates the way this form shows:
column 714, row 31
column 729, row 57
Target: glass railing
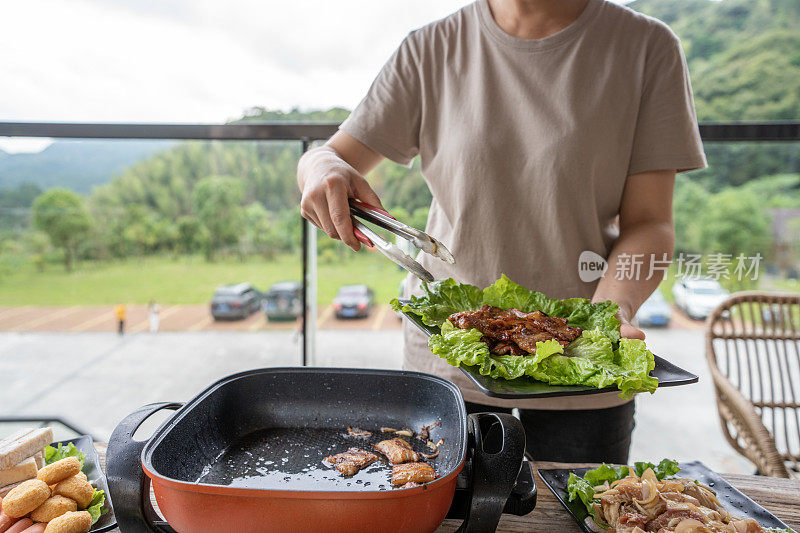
column 158, row 217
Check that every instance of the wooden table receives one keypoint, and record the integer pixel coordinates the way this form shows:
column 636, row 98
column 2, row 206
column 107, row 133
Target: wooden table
column 779, row 496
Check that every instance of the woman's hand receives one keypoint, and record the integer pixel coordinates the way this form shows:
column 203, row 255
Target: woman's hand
column 628, row 331
column 328, row 181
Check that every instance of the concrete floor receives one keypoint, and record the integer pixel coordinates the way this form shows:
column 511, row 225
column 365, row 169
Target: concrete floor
column 95, row 379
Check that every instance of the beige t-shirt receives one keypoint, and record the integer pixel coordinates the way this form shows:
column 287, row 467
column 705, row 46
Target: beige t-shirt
column 526, row 146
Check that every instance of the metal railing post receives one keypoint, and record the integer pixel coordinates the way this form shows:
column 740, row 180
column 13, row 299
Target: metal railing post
column 309, row 286
column 304, row 246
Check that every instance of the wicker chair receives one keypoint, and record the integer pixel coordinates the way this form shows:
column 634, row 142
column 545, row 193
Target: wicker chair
column 753, row 350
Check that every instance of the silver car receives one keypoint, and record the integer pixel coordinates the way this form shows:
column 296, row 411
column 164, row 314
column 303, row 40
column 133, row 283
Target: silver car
column 655, row 311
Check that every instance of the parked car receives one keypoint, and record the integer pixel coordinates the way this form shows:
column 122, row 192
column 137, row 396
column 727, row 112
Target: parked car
column 353, row 301
column 232, row 302
column 697, row 297
column 655, row 311
column 284, row 301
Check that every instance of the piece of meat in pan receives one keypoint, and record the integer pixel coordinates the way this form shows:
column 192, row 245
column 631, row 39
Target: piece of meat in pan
column 350, row 462
column 353, row 431
column 514, row 332
column 397, row 450
column 412, row 473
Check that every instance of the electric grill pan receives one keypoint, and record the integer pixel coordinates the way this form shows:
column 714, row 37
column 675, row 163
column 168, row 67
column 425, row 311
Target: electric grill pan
column 480, row 467
column 668, row 375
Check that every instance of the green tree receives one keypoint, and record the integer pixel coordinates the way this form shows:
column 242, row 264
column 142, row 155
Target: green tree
column 63, row 217
column 37, row 245
column 218, row 204
column 190, row 234
column 735, row 222
column 690, row 200
column 259, row 233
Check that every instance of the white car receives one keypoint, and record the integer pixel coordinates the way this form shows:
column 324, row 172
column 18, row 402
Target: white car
column 697, row 297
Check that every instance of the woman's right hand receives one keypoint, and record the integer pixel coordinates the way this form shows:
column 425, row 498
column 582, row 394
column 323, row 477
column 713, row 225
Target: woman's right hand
column 328, row 181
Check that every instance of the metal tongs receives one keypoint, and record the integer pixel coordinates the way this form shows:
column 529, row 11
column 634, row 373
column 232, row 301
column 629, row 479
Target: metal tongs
column 418, row 238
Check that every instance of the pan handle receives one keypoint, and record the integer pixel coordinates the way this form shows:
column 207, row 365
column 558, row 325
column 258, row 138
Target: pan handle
column 523, row 496
column 498, row 447
column 129, row 486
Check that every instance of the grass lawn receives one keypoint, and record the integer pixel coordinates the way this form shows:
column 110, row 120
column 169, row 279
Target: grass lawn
column 185, row 280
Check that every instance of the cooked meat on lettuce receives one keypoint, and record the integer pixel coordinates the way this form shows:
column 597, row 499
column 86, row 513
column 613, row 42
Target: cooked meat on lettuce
column 598, row 357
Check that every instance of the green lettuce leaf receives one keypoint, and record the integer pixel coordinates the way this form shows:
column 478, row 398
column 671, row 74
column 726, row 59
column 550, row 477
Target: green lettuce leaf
column 51, row 454
column 442, row 299
column 96, row 505
column 583, row 487
column 597, row 358
column 579, row 488
column 445, row 297
column 606, row 472
column 665, row 469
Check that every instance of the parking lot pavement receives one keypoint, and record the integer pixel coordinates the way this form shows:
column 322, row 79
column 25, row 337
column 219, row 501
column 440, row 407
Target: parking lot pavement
column 682, row 422
column 95, row 379
column 80, row 319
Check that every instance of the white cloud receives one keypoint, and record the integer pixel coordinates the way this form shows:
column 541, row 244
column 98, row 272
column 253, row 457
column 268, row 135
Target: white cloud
column 194, row 61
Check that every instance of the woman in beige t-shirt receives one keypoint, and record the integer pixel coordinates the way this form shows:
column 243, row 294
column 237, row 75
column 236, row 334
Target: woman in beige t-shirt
column 545, row 128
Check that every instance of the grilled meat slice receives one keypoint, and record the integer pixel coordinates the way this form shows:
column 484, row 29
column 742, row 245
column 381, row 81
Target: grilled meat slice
column 357, row 432
column 511, row 331
column 350, row 462
column 412, row 473
column 425, row 433
column 397, row 450
column 503, row 348
column 664, row 519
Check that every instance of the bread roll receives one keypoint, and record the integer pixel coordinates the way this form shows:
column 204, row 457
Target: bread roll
column 76, row 489
column 72, row 522
column 53, row 507
column 60, row 470
column 25, row 497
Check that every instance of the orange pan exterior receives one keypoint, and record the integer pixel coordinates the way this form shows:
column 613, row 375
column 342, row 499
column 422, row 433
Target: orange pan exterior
column 200, row 508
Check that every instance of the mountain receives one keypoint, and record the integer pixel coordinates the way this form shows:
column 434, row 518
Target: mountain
column 743, row 55
column 78, row 165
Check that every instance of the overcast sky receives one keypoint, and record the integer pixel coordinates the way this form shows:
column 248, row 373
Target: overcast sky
column 194, row 60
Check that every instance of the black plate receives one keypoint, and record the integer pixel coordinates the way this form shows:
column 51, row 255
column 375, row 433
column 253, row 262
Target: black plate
column 91, row 467
column 736, row 502
column 668, row 375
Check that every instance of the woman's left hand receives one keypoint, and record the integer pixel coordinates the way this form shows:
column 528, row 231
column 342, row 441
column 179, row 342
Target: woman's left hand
column 628, row 331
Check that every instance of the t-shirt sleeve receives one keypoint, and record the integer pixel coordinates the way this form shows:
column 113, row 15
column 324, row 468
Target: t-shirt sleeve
column 388, row 118
column 666, row 135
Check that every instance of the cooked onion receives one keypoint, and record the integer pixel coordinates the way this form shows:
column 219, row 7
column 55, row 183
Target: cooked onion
column 633, row 503
column 690, row 525
column 593, row 526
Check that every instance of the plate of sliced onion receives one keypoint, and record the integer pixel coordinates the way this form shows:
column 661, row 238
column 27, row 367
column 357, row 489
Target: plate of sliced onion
column 685, row 498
